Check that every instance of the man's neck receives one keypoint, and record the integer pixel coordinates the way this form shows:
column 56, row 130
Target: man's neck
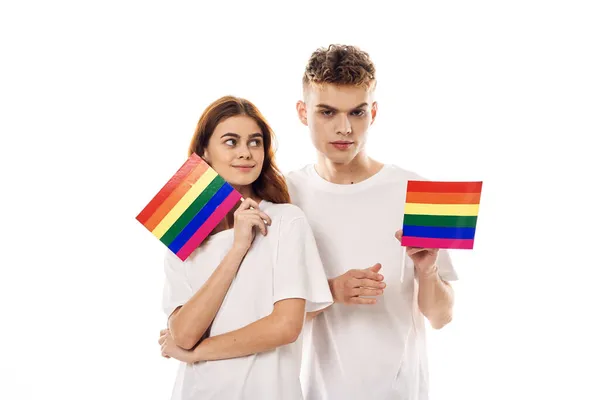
column 358, row 170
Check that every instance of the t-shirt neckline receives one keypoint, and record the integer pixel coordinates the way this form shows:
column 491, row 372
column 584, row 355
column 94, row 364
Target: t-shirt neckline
column 324, row 184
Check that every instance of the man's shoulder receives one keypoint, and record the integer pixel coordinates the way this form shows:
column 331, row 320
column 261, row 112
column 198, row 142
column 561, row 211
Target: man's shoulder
column 298, row 181
column 298, row 174
column 397, row 173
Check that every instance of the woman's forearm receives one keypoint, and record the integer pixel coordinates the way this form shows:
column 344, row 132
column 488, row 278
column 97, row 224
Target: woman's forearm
column 190, row 322
column 277, row 329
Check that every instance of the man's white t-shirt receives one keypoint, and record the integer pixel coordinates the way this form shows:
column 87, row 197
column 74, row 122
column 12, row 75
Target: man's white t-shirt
column 284, row 264
column 364, row 351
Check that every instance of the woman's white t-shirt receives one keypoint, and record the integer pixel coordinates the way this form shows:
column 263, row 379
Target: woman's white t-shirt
column 284, row 264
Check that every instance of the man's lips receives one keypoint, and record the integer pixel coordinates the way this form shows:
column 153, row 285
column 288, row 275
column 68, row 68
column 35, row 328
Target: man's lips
column 342, row 144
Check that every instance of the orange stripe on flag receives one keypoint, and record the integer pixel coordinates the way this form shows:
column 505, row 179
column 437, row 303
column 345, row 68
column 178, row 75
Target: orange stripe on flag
column 443, row 198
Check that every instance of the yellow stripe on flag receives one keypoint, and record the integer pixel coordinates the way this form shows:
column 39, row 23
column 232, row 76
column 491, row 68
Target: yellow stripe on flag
column 442, row 209
column 184, row 203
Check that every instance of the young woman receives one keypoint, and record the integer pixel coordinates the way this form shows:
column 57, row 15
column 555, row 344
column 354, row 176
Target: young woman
column 237, row 305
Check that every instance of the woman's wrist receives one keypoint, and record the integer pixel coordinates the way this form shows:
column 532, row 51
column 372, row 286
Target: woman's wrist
column 238, row 251
column 199, row 353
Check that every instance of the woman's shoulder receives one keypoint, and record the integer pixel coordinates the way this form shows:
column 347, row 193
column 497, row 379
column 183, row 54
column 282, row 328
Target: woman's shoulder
column 289, row 222
column 285, row 211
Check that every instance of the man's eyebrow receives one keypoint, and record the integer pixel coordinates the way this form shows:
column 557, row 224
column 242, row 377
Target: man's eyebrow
column 321, row 105
column 326, row 106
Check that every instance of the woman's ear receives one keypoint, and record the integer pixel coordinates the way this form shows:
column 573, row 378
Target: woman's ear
column 205, row 156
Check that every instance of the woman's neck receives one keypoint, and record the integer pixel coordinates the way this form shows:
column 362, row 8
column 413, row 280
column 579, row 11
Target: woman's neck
column 245, row 190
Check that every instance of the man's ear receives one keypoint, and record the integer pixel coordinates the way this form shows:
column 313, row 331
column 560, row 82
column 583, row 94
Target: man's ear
column 373, row 111
column 302, row 112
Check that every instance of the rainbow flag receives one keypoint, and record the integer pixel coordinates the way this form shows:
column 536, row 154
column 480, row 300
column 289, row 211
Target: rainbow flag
column 441, row 215
column 189, row 206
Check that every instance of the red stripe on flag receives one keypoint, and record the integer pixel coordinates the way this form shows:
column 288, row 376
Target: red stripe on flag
column 184, row 186
column 169, row 187
column 444, row 187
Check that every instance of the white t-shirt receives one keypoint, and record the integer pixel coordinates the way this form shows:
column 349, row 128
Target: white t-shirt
column 364, row 351
column 284, row 264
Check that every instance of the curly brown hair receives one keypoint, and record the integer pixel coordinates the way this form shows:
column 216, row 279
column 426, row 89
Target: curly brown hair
column 270, row 185
column 340, row 65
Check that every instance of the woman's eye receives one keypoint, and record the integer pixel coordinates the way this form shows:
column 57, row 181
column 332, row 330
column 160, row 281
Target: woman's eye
column 255, row 143
column 230, row 142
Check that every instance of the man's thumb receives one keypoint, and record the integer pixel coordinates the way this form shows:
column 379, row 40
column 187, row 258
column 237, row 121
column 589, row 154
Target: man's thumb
column 376, row 267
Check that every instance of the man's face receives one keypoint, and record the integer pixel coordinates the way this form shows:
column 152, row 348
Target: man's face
column 338, row 118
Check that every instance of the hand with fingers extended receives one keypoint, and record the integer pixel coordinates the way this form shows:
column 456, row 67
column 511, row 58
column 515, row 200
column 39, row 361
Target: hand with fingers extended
column 355, row 284
column 247, row 219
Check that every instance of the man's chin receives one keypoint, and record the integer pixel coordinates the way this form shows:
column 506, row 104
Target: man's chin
column 338, row 158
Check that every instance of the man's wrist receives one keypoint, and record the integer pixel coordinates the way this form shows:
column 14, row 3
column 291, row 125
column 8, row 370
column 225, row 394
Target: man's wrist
column 427, row 274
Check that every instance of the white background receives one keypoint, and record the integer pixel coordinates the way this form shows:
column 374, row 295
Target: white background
column 98, row 102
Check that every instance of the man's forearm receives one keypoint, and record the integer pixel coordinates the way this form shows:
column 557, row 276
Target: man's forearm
column 436, row 299
column 192, row 320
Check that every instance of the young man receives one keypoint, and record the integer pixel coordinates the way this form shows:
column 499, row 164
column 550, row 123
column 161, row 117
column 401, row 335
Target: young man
column 370, row 344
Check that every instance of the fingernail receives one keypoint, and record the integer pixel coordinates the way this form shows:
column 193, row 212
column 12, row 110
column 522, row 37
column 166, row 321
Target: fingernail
column 382, row 285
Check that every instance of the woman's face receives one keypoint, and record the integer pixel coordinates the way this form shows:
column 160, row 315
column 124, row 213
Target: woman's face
column 236, row 150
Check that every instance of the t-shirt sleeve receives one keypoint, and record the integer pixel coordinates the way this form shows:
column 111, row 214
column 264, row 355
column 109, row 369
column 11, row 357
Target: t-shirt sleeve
column 298, row 270
column 177, row 289
column 445, row 266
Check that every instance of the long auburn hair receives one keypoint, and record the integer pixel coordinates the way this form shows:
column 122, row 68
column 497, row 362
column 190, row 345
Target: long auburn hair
column 270, row 184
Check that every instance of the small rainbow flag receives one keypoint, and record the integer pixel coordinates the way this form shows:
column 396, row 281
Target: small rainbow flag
column 441, row 215
column 189, row 207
